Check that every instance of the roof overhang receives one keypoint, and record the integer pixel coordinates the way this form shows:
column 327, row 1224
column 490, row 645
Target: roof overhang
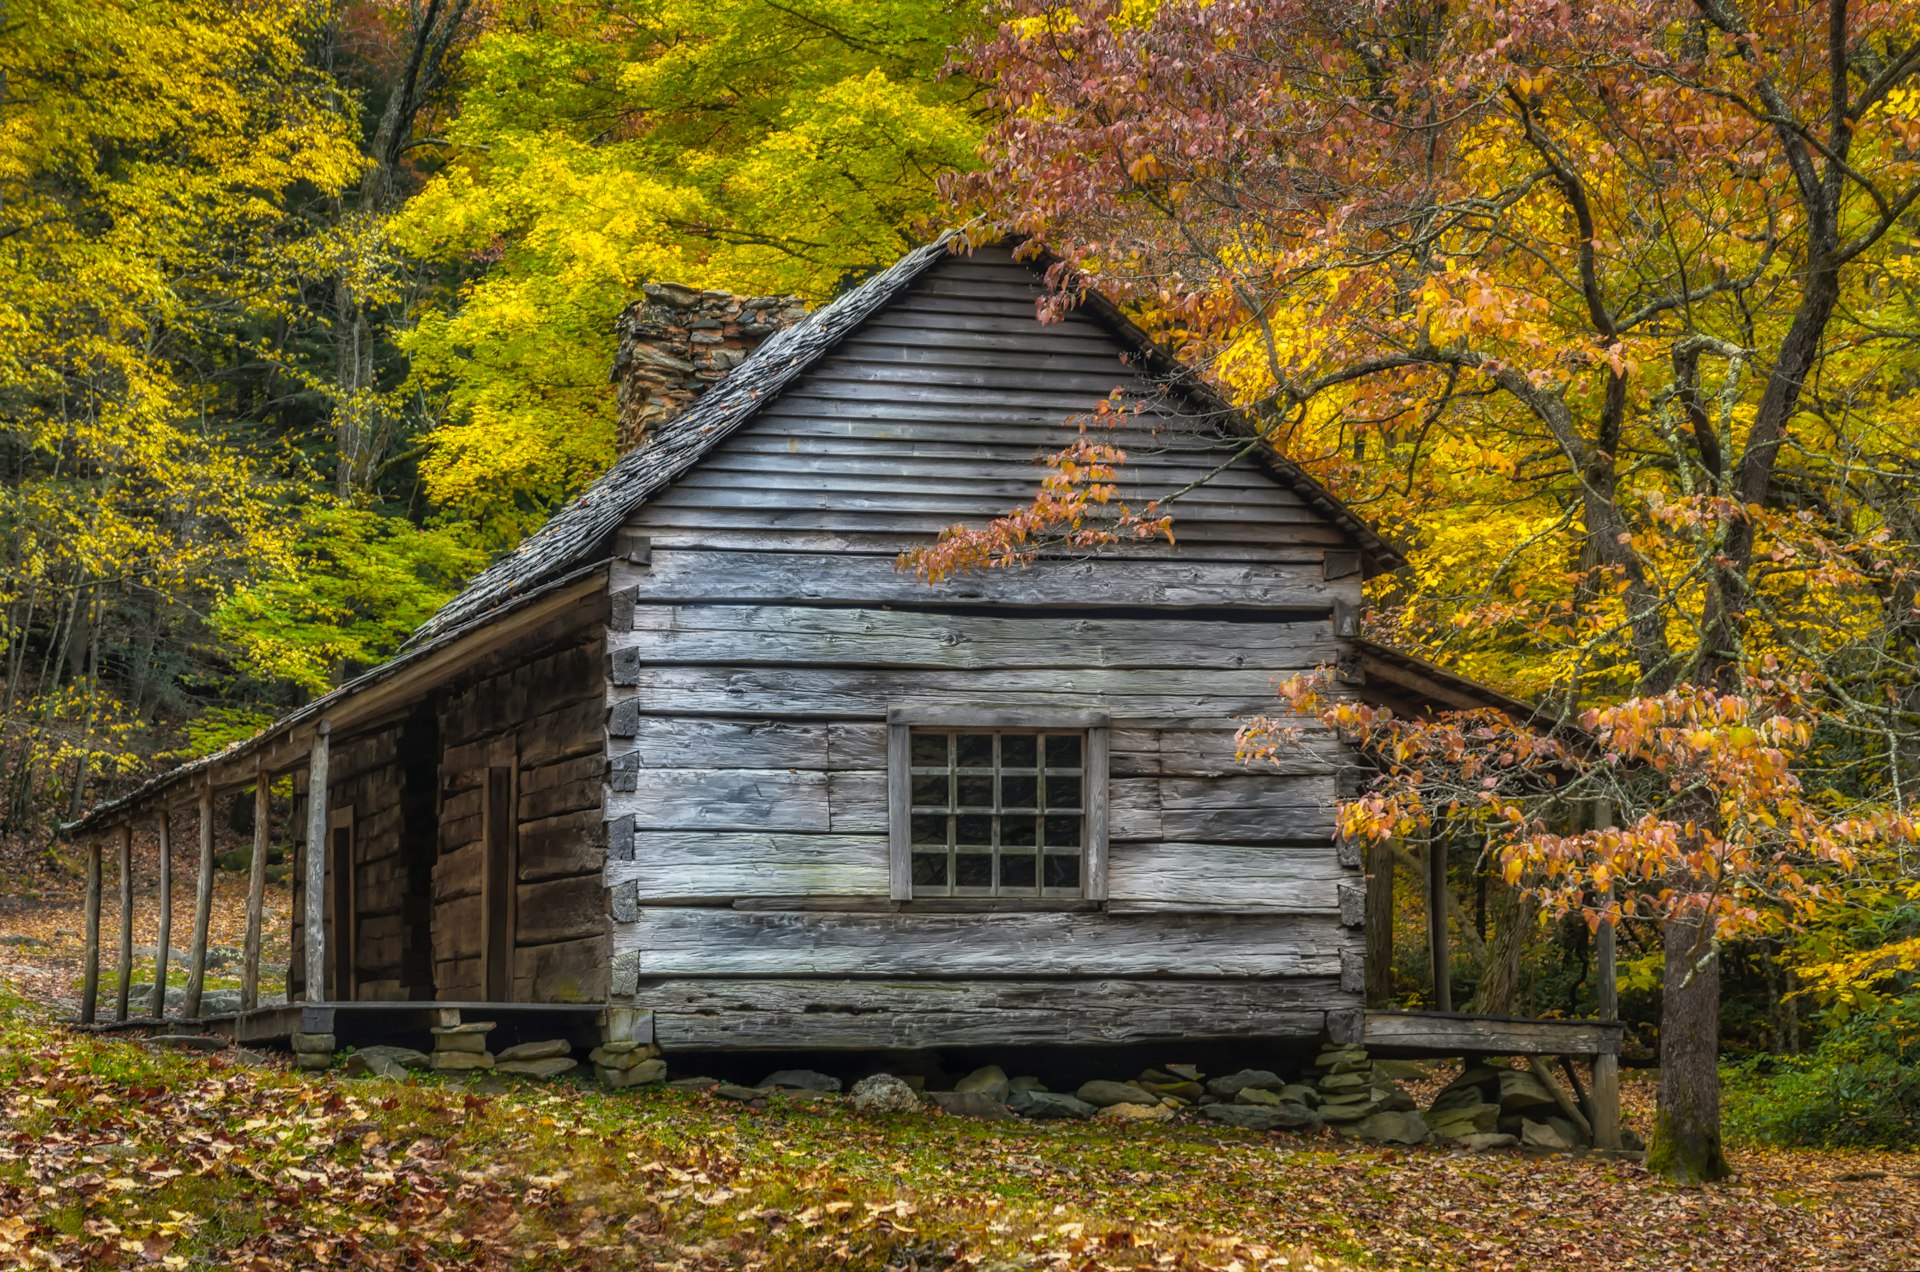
column 367, row 701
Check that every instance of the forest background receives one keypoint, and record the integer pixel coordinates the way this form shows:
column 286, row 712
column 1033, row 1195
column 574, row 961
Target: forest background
column 306, row 312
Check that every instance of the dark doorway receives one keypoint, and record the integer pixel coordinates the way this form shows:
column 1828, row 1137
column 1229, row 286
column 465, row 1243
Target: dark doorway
column 497, row 929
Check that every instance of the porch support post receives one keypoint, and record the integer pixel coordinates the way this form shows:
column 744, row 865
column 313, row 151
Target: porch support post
column 163, row 826
column 314, row 929
column 1437, row 924
column 256, row 892
column 90, row 986
column 1606, row 1068
column 125, row 966
column 202, row 905
column 1379, row 922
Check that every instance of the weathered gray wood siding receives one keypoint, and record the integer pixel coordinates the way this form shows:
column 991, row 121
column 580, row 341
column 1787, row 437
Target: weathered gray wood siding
column 536, row 709
column 758, row 641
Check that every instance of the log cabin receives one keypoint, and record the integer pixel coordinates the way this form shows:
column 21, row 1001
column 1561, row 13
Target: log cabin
column 700, row 757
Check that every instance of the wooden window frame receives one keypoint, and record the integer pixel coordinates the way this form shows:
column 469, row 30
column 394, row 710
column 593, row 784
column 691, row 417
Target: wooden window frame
column 901, row 721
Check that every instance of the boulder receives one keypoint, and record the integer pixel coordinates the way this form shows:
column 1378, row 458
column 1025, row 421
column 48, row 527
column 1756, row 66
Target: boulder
column 1298, row 1093
column 1233, row 1083
column 1406, row 1070
column 1256, row 1095
column 641, row 1074
column 1135, row 1113
column 405, row 1057
column 802, row 1080
column 733, row 1091
column 313, row 1059
column 540, row 1067
column 883, row 1093
column 1480, row 1142
column 988, row 1080
column 375, row 1067
column 1345, row 1082
column 1044, row 1106
column 970, row 1104
column 460, row 1043
column 1391, row 1128
column 1544, row 1135
column 629, row 1055
column 1393, row 1098
column 323, row 1043
column 1474, row 1084
column 1465, row 1119
column 1345, row 1054
column 457, row 1061
column 1025, row 1083
column 1185, row 1092
column 1361, row 1065
column 465, row 1027
column 1189, row 1072
column 1256, row 1117
column 1103, row 1094
column 1344, row 1113
column 1521, row 1092
column 550, row 1050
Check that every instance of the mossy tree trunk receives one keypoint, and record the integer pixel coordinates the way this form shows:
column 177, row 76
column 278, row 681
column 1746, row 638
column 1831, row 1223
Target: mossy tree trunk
column 1686, row 1135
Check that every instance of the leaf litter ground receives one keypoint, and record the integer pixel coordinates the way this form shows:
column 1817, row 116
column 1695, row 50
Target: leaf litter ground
column 118, row 1155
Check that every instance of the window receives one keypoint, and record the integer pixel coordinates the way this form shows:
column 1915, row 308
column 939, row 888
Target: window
column 998, row 806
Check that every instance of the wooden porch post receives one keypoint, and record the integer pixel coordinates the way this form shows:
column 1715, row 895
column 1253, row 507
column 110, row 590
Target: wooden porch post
column 90, row 986
column 126, row 922
column 163, row 826
column 1606, row 1068
column 314, row 928
column 256, row 892
column 1379, row 922
column 1437, row 924
column 202, row 905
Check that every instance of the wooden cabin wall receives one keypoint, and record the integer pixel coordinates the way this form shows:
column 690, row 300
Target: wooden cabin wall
column 366, row 776
column 541, row 708
column 757, row 650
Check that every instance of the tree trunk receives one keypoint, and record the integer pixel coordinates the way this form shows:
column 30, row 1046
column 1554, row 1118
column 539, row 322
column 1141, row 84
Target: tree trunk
column 1686, row 1135
column 1512, row 915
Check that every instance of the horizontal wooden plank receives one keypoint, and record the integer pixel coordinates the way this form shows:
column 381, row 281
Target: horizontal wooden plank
column 993, row 422
column 754, row 451
column 1212, row 543
column 560, row 909
column 570, row 844
column 684, row 575
column 713, row 866
column 562, row 972
column 715, row 942
column 956, row 501
column 1141, row 697
column 1078, row 350
column 870, row 1015
column 928, row 316
column 827, row 636
column 1213, row 753
column 1224, row 877
column 729, row 799
column 1198, row 531
column 963, row 482
column 1038, row 395
column 1450, row 1034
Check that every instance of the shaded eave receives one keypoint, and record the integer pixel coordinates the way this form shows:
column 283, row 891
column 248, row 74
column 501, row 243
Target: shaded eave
column 366, row 700
column 1433, row 686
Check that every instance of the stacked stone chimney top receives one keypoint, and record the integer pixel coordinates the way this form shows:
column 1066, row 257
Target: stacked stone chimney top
column 677, row 341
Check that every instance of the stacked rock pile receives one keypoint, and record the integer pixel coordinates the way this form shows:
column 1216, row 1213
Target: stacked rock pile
column 627, row 1064
column 462, row 1047
column 547, row 1059
column 1492, row 1107
column 313, row 1050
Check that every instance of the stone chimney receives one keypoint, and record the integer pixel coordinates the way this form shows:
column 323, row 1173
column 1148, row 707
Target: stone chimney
column 678, row 341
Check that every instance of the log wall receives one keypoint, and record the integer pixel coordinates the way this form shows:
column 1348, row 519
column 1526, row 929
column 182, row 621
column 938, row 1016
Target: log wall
column 538, row 712
column 760, row 632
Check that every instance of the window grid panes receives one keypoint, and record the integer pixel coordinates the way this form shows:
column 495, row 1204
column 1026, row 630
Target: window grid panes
column 997, row 813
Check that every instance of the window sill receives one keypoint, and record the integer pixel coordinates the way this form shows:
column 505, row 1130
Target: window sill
column 926, row 905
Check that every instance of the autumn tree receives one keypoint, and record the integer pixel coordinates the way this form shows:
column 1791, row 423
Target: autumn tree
column 738, row 144
column 1576, row 298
